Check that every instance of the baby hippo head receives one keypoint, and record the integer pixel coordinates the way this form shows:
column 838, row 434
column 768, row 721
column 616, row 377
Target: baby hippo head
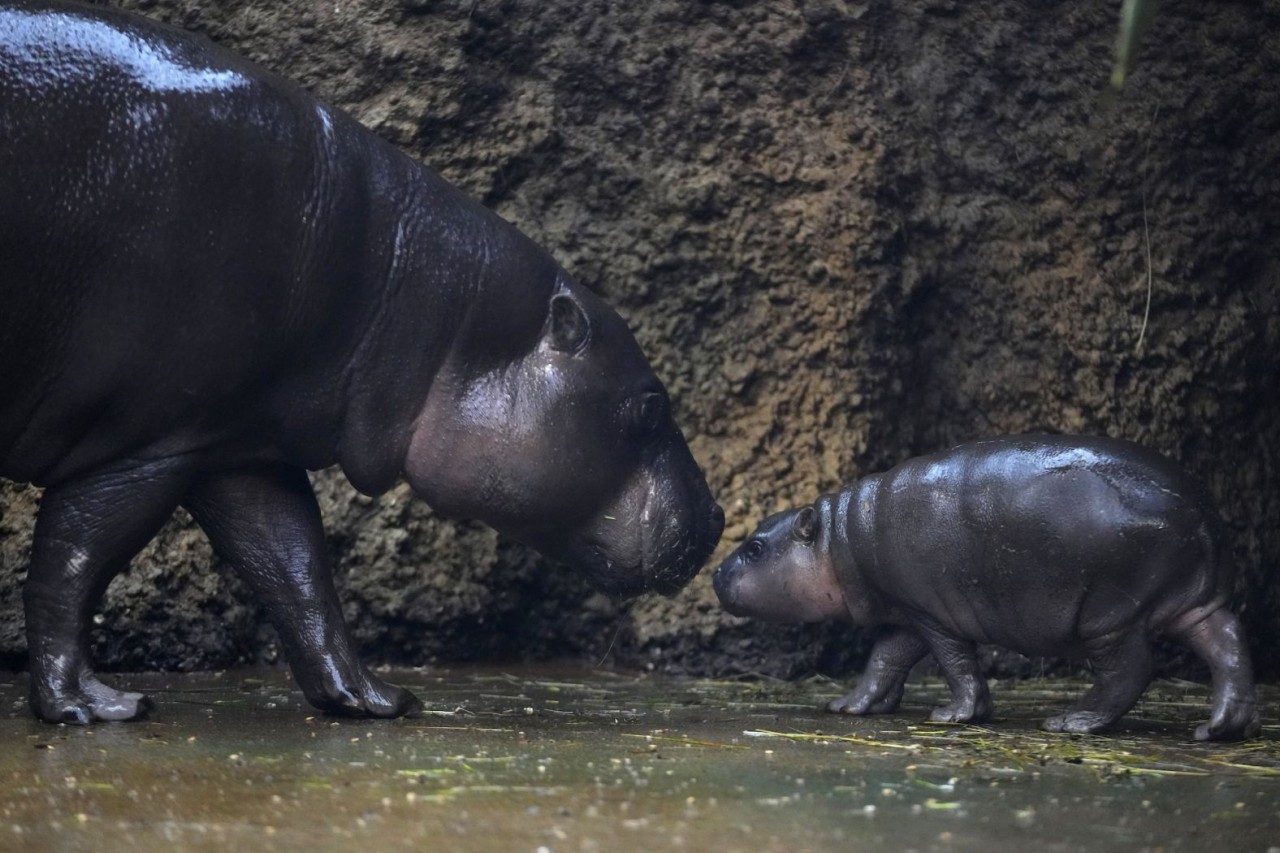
column 783, row 572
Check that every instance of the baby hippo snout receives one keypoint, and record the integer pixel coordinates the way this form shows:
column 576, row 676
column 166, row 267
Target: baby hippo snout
column 781, row 573
column 724, row 581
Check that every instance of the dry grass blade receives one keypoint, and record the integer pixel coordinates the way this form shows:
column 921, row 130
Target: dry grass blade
column 861, row 741
column 687, row 741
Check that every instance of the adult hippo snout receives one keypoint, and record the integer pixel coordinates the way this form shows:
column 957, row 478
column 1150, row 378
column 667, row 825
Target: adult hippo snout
column 680, row 522
column 655, row 535
column 691, row 553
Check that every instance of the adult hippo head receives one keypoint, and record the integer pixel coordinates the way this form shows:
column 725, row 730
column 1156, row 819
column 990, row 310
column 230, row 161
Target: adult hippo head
column 570, row 447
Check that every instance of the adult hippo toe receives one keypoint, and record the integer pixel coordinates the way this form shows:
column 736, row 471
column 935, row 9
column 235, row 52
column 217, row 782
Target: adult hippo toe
column 212, row 283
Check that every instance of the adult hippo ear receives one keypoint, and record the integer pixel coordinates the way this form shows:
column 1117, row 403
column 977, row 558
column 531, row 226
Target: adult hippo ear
column 568, row 445
column 570, row 329
column 804, row 528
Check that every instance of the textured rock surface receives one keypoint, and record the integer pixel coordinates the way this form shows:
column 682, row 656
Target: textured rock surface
column 845, row 233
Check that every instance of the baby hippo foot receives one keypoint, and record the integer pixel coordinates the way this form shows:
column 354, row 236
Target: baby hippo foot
column 1235, row 719
column 92, row 701
column 1078, row 722
column 963, row 711
column 363, row 695
column 858, row 702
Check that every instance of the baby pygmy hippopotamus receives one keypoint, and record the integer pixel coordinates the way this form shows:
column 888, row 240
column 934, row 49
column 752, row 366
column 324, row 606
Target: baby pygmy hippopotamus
column 1049, row 545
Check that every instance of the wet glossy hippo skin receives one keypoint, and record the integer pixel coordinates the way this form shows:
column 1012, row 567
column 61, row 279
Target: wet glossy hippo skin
column 211, row 283
column 1049, row 545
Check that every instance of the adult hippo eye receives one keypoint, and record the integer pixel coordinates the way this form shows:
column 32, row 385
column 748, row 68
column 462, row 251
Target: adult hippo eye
column 648, row 412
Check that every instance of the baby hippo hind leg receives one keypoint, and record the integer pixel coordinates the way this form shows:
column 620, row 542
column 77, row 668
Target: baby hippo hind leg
column 1219, row 641
column 880, row 690
column 1122, row 670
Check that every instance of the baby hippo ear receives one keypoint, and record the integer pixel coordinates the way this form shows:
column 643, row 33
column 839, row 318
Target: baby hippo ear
column 805, row 525
column 570, row 327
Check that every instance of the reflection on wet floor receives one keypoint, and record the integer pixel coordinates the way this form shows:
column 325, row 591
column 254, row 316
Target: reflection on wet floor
column 570, row 759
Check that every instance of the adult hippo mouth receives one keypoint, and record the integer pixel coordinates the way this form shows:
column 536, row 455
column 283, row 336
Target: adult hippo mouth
column 653, row 536
column 672, row 552
column 667, row 570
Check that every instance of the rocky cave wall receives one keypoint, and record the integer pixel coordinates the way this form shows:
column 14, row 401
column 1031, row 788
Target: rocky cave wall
column 845, row 232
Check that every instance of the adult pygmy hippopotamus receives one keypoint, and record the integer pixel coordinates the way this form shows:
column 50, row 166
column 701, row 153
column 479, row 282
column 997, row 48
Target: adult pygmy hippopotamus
column 1048, row 545
column 211, row 283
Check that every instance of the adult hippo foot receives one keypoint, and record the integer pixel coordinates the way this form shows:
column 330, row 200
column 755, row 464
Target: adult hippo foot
column 365, row 695
column 1078, row 722
column 1233, row 720
column 92, row 701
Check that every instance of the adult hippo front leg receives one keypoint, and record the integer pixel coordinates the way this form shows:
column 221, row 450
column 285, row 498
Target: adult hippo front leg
column 86, row 533
column 265, row 522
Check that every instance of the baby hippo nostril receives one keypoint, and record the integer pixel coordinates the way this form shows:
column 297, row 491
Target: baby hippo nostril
column 721, row 579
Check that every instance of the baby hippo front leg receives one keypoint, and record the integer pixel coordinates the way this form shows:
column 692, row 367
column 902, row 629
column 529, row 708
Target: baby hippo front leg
column 880, row 690
column 970, row 699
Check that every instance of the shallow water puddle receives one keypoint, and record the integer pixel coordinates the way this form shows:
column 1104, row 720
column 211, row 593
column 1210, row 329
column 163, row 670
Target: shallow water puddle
column 569, row 759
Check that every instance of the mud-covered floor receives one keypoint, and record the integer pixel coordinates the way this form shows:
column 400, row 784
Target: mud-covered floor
column 564, row 760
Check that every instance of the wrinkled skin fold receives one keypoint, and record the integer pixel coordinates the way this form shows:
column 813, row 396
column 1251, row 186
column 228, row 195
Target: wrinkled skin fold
column 213, row 283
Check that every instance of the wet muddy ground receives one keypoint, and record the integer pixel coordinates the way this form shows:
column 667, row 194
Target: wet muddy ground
column 571, row 759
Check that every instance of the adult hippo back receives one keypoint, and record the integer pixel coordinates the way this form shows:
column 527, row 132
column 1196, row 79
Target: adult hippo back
column 211, row 283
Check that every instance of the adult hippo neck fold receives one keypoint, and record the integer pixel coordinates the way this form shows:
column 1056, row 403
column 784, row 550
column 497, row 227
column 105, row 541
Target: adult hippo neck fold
column 445, row 291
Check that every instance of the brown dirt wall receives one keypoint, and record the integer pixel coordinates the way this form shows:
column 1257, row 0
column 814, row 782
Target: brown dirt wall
column 845, row 232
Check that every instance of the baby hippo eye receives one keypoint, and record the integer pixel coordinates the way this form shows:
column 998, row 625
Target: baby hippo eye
column 648, row 411
column 754, row 549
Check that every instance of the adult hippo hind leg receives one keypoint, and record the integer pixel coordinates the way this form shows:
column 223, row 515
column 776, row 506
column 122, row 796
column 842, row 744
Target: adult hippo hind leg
column 1219, row 640
column 86, row 532
column 881, row 687
column 265, row 522
column 1122, row 671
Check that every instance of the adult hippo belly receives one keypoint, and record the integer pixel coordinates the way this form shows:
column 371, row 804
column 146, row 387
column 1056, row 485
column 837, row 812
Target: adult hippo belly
column 211, row 282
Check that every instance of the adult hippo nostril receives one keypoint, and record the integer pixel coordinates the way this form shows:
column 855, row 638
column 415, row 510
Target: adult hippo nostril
column 717, row 523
